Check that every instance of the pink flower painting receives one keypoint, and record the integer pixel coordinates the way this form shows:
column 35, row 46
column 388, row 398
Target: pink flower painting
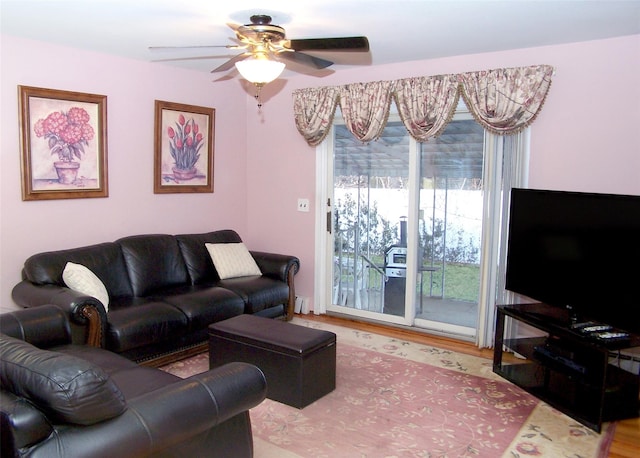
column 67, row 133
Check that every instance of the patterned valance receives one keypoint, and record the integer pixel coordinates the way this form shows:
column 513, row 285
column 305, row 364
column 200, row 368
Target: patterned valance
column 365, row 108
column 426, row 105
column 504, row 101
column 314, row 109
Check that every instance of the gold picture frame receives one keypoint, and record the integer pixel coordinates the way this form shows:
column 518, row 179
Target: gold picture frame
column 72, row 127
column 184, row 139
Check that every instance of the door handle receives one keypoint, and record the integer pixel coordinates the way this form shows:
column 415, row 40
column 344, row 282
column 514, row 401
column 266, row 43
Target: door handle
column 329, row 221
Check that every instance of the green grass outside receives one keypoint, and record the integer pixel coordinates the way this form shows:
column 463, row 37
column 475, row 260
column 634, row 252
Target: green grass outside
column 461, row 282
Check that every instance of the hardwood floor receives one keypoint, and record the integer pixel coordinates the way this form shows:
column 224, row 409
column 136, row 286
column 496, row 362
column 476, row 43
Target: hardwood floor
column 626, row 441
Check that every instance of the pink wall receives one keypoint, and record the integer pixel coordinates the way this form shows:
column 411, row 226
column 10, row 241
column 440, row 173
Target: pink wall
column 585, row 139
column 131, row 208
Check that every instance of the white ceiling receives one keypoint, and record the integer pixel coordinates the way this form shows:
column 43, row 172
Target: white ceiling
column 398, row 30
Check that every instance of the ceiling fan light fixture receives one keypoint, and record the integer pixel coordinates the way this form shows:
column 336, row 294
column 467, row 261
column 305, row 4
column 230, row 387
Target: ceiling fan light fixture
column 259, row 69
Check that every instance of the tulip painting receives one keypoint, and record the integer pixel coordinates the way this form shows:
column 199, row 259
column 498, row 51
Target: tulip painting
column 185, row 142
column 184, row 149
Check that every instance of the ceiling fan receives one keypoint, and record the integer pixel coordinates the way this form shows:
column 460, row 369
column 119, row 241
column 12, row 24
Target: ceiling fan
column 266, row 49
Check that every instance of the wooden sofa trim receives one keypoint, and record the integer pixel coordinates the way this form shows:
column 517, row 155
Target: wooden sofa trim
column 292, row 292
column 94, row 325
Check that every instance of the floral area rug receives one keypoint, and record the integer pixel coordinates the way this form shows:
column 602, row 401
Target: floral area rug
column 395, row 398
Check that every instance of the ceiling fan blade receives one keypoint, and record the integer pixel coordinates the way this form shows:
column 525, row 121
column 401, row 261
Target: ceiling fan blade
column 178, row 59
column 228, row 65
column 331, row 44
column 162, row 48
column 305, row 59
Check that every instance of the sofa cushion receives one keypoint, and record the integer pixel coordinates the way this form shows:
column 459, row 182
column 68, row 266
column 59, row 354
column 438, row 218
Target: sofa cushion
column 131, row 378
column 153, row 262
column 232, row 260
column 66, row 388
column 137, row 323
column 108, row 361
column 81, row 279
column 205, row 304
column 196, row 256
column 258, row 293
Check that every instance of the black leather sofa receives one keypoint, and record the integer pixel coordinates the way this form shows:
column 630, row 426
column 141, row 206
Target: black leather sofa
column 63, row 400
column 163, row 292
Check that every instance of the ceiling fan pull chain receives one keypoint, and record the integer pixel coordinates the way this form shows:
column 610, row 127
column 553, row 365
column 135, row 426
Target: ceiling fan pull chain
column 257, row 96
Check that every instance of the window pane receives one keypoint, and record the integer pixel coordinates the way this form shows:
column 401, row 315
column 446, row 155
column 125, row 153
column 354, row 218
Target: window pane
column 371, row 196
column 450, row 221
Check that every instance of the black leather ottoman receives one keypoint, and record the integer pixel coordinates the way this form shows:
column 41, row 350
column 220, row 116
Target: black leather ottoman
column 299, row 363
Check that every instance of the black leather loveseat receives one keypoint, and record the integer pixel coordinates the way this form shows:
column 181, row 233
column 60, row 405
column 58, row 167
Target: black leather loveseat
column 163, row 291
column 60, row 400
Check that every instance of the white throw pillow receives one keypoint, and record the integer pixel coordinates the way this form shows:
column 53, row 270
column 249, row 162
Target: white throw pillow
column 232, row 260
column 80, row 278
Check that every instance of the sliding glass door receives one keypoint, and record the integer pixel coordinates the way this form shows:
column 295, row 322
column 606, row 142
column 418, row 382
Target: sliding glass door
column 406, row 226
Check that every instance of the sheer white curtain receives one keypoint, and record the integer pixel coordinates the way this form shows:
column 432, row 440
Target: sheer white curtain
column 506, row 167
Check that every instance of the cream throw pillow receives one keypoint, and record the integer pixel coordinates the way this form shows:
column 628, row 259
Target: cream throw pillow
column 232, row 260
column 80, row 278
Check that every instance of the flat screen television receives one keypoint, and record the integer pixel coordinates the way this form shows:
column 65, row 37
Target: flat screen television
column 580, row 251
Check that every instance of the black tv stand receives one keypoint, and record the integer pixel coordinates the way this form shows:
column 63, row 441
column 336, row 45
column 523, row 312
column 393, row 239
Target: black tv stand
column 570, row 368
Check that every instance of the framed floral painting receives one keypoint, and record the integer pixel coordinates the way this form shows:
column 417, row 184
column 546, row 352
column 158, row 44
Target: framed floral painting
column 63, row 142
column 184, row 136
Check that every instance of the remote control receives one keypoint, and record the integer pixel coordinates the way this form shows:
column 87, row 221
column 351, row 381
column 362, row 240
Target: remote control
column 596, row 328
column 612, row 335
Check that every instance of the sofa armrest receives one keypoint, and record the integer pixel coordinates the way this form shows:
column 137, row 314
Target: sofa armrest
column 179, row 413
column 44, row 327
column 88, row 317
column 283, row 267
column 21, row 424
column 276, row 265
column 202, row 400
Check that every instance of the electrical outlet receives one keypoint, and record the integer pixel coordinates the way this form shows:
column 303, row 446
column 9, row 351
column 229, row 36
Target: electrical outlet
column 302, row 305
column 303, row 205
